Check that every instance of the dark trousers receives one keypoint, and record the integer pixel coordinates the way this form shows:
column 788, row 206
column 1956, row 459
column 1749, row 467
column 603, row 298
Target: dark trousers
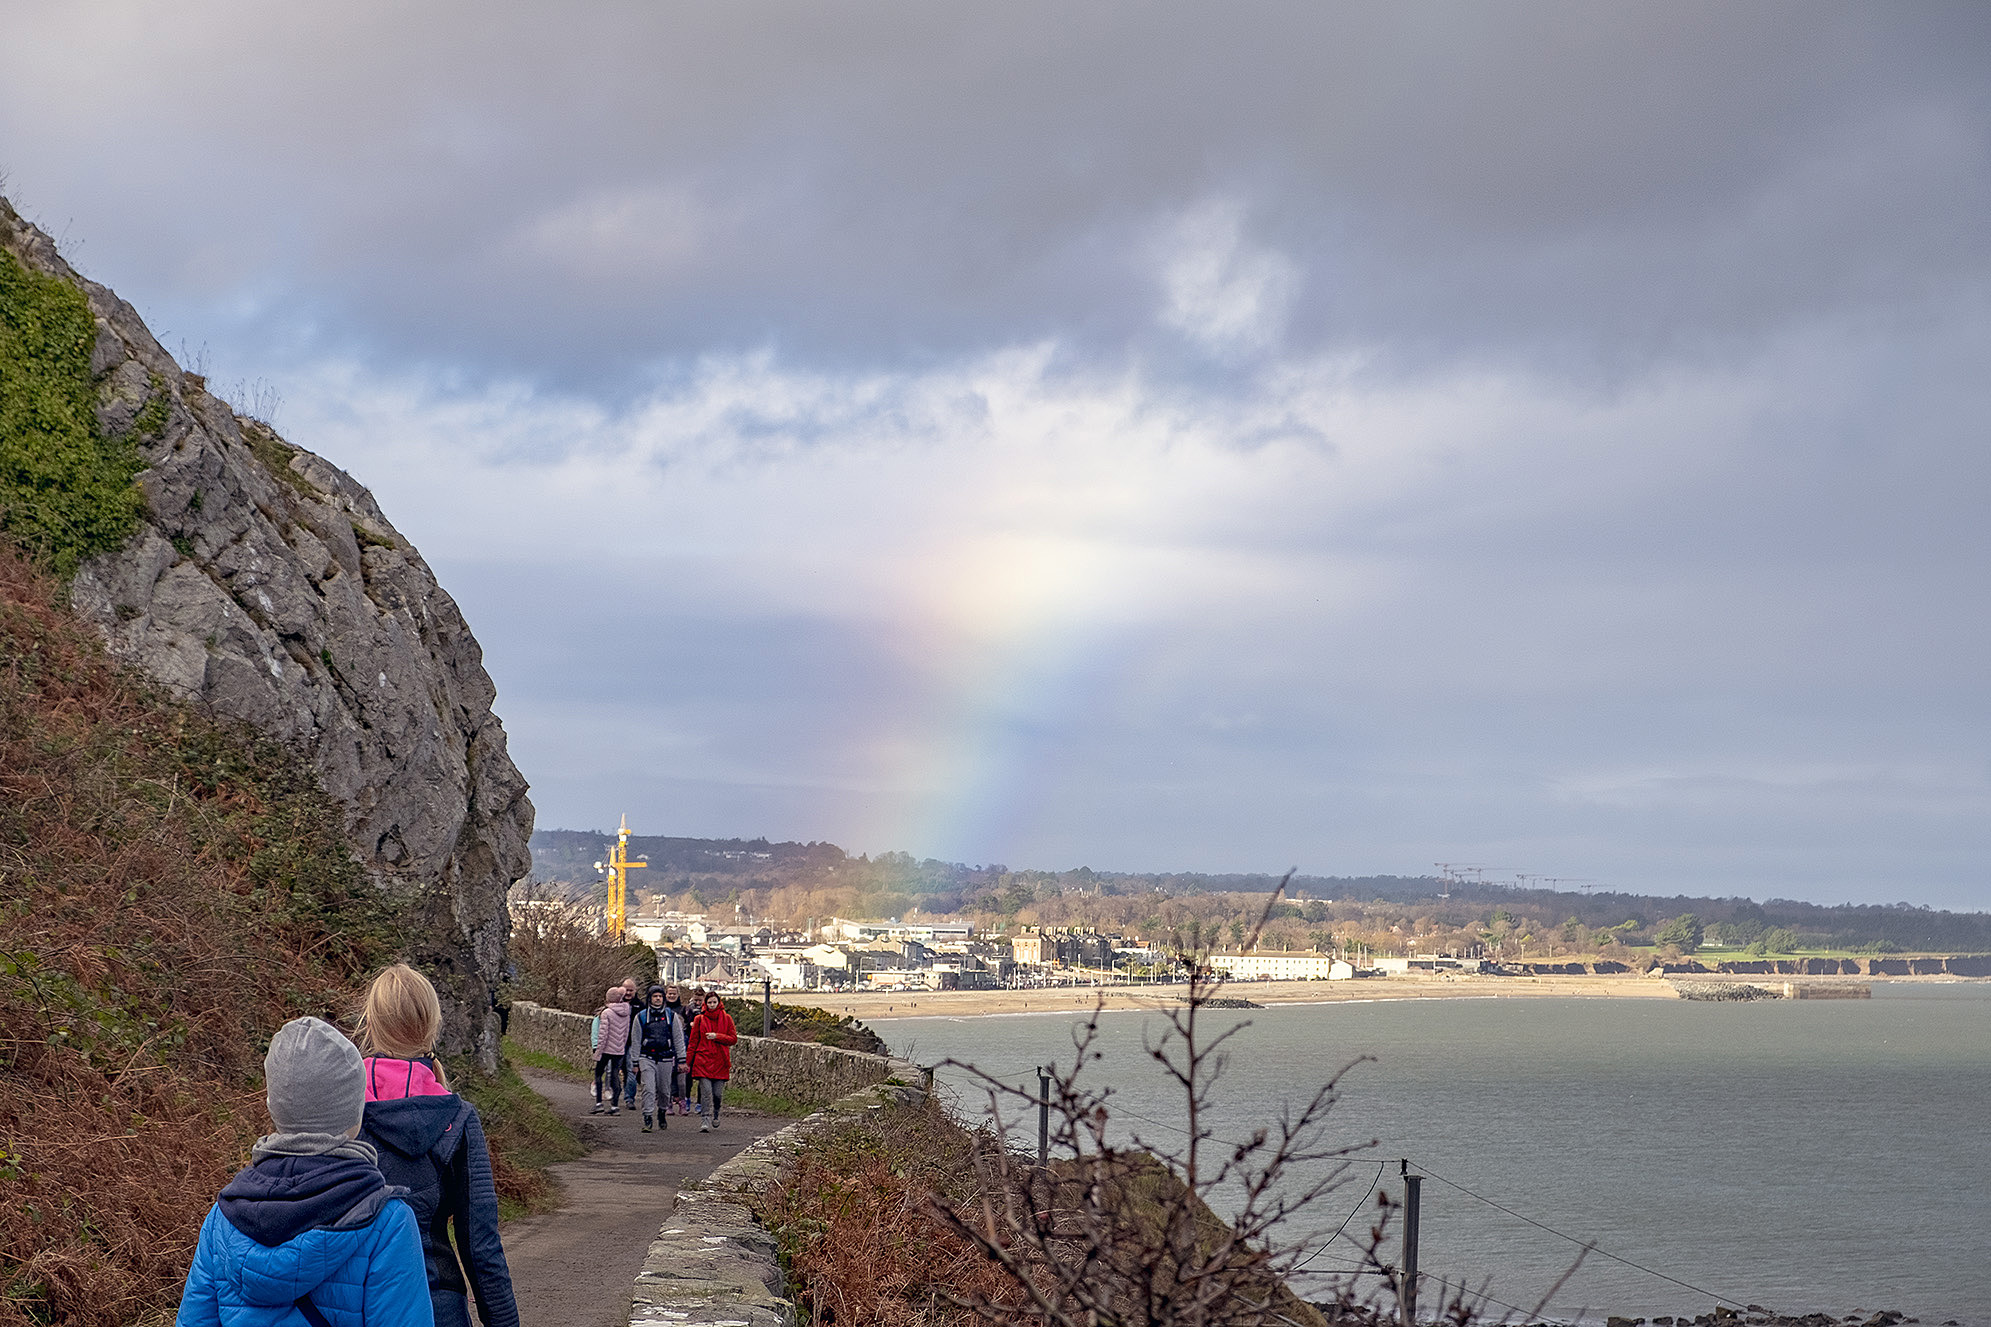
column 613, row 1064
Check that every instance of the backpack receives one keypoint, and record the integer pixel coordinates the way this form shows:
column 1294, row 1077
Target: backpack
column 657, row 1042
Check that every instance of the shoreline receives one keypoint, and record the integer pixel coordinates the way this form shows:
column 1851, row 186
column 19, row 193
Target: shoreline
column 876, row 1006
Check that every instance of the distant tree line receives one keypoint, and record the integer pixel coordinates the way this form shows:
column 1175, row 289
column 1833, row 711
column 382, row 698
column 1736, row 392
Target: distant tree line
column 769, row 880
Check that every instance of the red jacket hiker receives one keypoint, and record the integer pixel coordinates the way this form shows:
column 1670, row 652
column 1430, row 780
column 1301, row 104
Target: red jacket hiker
column 712, row 1057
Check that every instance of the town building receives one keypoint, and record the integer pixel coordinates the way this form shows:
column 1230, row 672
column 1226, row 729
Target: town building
column 929, row 932
column 1272, row 965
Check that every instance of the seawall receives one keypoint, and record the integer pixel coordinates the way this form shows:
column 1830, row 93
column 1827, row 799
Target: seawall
column 1953, row 965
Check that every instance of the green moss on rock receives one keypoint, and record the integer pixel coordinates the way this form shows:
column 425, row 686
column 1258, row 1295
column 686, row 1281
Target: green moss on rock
column 66, row 490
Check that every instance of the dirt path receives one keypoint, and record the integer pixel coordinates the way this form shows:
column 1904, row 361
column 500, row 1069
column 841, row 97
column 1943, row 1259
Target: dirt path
column 576, row 1267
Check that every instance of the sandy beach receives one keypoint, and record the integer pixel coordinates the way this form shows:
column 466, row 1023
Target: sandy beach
column 872, row 1006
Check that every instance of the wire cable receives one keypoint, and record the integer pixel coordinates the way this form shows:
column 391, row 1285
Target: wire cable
column 1343, row 1227
column 1588, row 1244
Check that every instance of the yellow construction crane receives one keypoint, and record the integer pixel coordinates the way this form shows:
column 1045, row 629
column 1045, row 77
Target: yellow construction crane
column 618, row 867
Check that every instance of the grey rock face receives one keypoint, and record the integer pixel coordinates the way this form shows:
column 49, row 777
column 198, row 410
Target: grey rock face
column 266, row 584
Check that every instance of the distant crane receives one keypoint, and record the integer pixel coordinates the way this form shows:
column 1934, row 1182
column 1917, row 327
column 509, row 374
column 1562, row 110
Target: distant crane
column 1452, row 873
column 618, row 866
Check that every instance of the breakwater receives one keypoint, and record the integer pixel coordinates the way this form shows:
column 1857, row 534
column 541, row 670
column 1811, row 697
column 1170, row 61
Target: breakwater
column 1790, row 990
column 1952, row 965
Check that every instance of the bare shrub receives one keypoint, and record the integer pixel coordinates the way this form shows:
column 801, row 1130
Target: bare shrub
column 858, row 1231
column 1128, row 1232
column 563, row 959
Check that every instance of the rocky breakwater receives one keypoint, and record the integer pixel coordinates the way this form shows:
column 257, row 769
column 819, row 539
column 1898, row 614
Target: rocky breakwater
column 265, row 584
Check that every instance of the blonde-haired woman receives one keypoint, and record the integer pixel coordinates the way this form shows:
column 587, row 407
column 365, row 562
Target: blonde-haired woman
column 431, row 1141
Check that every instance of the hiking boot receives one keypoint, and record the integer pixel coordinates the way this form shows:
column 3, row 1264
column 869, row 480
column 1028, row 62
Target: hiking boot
column 647, row 1125
column 705, row 1128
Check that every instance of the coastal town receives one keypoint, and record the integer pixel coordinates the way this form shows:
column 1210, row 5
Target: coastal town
column 942, row 954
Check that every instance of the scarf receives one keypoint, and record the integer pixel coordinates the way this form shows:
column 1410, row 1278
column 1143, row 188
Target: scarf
column 313, row 1145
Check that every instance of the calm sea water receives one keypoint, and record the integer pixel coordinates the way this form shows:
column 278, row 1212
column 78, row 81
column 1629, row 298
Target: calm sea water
column 1802, row 1155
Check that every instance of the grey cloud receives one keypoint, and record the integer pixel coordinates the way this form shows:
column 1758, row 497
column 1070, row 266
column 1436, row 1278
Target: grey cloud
column 1585, row 186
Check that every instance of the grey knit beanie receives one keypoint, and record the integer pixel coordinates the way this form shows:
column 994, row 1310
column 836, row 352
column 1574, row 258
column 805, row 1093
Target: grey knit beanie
column 315, row 1078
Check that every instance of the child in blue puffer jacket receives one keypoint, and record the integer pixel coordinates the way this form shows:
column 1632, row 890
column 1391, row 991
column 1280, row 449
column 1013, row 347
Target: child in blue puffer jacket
column 310, row 1234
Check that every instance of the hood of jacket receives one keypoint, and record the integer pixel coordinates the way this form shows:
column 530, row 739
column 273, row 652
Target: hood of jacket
column 389, row 1079
column 282, row 1197
column 413, row 1126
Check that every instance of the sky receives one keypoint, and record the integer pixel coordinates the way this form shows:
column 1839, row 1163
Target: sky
column 1151, row 437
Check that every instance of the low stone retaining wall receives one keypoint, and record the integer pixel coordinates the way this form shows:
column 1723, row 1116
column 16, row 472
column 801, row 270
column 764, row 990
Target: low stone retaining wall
column 553, row 1032
column 801, row 1071
column 712, row 1264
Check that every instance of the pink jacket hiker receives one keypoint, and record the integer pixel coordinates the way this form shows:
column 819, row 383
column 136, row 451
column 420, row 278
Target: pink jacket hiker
column 613, row 1038
column 390, row 1079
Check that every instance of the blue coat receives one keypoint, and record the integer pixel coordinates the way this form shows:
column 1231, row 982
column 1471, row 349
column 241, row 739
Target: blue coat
column 288, row 1227
column 434, row 1147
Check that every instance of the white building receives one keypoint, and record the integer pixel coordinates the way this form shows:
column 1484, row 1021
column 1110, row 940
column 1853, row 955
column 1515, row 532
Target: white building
column 787, row 972
column 1276, row 966
column 855, row 932
column 913, row 979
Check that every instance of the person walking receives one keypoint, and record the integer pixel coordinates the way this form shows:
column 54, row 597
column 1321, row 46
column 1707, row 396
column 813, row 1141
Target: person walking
column 309, row 1229
column 611, row 1045
column 697, row 1006
column 636, row 1003
column 660, row 1049
column 431, row 1142
column 712, row 1039
column 680, row 1087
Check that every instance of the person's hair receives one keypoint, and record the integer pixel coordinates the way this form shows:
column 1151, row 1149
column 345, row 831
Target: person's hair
column 402, row 1018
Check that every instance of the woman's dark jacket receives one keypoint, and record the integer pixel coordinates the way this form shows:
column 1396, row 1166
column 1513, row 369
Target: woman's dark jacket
column 434, row 1147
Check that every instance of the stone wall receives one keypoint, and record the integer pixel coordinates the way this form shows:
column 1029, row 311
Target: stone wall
column 801, row 1071
column 712, row 1264
column 553, row 1032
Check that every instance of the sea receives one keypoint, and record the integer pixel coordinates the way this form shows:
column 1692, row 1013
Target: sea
column 1802, row 1155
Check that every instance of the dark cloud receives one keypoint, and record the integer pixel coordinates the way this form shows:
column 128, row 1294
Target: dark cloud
column 574, row 196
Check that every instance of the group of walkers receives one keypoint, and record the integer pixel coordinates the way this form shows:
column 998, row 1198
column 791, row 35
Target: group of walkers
column 310, row 1230
column 669, row 1049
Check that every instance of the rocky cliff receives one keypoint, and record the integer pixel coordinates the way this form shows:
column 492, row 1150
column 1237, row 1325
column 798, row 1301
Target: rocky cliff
column 266, row 584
